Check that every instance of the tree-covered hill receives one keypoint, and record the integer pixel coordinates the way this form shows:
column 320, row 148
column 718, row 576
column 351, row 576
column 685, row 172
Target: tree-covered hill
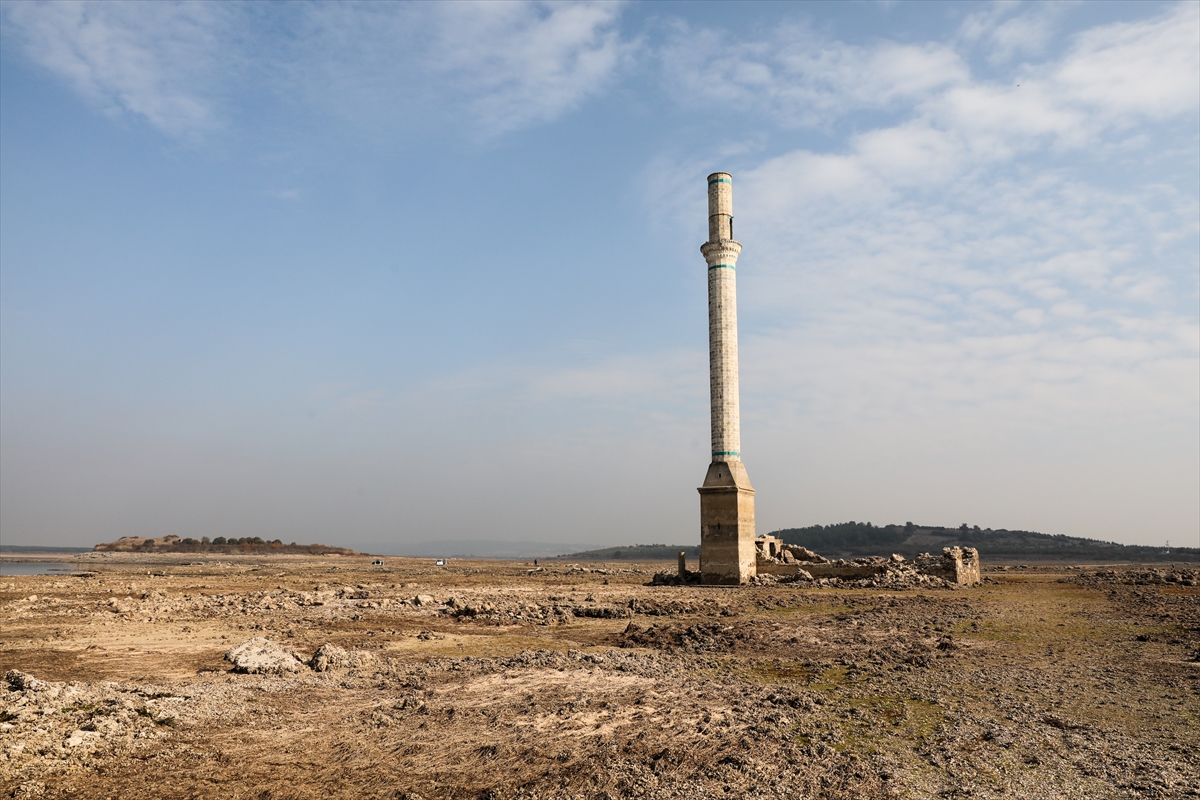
column 848, row 539
column 246, row 545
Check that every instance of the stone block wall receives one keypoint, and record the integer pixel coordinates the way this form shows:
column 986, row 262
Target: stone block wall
column 956, row 564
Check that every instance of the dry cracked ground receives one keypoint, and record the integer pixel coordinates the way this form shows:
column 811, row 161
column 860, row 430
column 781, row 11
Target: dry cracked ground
column 583, row 682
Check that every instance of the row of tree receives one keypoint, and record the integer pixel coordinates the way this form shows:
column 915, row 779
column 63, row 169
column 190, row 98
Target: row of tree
column 850, row 539
column 234, row 544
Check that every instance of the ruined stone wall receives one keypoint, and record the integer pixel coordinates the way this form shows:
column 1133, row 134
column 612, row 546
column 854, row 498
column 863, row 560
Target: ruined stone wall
column 956, row 564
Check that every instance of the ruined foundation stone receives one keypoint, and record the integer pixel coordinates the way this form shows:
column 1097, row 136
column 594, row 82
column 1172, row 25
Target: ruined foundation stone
column 957, row 566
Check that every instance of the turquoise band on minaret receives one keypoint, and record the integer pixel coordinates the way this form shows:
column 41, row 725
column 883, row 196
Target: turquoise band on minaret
column 721, row 253
column 727, row 549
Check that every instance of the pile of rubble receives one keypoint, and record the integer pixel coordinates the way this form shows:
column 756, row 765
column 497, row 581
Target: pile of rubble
column 68, row 724
column 141, row 605
column 261, row 656
column 895, row 572
column 685, row 578
column 1172, row 576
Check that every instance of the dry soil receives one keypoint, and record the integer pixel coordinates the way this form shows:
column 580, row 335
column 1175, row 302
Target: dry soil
column 582, row 681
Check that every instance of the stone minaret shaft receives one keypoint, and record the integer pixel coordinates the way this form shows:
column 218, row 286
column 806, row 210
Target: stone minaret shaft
column 726, row 499
column 721, row 253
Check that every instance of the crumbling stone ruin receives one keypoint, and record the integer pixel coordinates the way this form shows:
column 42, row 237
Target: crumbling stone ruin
column 957, row 566
column 682, row 577
column 779, row 562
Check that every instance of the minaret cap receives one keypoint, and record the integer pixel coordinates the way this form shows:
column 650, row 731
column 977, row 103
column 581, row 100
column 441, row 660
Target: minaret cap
column 720, row 206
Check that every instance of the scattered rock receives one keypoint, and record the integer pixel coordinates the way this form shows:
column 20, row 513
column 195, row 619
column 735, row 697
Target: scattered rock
column 20, row 681
column 688, row 578
column 78, row 738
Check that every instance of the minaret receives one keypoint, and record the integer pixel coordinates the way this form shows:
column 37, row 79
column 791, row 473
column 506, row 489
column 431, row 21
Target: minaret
column 726, row 498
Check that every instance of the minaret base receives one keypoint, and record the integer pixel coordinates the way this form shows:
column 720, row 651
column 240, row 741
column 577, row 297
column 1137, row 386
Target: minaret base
column 727, row 555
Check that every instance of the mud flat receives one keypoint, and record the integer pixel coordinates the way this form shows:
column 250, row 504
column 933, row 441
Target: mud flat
column 495, row 680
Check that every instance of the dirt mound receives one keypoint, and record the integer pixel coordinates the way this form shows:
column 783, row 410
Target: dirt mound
column 1139, row 577
column 330, row 657
column 259, row 656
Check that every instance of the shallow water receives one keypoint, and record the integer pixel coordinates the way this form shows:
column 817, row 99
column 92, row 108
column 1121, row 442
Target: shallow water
column 36, row 568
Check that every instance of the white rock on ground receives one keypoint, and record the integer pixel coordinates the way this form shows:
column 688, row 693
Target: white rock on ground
column 330, row 657
column 20, row 681
column 262, row 656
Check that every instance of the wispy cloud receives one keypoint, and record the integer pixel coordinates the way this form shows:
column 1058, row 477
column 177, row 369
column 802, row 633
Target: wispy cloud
column 500, row 65
column 1112, row 75
column 798, row 78
column 523, row 63
column 948, row 276
column 1112, row 78
column 1148, row 69
column 161, row 62
column 1008, row 30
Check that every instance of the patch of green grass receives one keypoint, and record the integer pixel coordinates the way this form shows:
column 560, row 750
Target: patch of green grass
column 808, row 610
column 762, row 673
column 995, row 631
column 911, row 720
column 830, row 678
column 779, row 673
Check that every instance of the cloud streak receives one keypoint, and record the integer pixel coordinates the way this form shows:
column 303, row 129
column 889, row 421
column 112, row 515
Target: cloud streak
column 386, row 66
column 953, row 277
column 962, row 299
column 159, row 62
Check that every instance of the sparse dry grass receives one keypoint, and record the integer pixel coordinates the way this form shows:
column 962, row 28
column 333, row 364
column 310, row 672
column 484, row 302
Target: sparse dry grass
column 1025, row 687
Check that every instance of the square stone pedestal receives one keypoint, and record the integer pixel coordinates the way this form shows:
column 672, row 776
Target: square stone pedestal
column 726, row 525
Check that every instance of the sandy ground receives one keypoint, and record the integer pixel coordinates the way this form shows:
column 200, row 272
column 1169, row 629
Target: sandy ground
column 583, row 682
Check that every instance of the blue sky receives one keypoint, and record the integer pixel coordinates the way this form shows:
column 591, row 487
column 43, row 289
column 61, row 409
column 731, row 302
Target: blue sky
column 389, row 273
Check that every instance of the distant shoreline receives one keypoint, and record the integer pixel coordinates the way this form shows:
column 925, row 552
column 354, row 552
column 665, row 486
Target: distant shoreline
column 30, row 548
